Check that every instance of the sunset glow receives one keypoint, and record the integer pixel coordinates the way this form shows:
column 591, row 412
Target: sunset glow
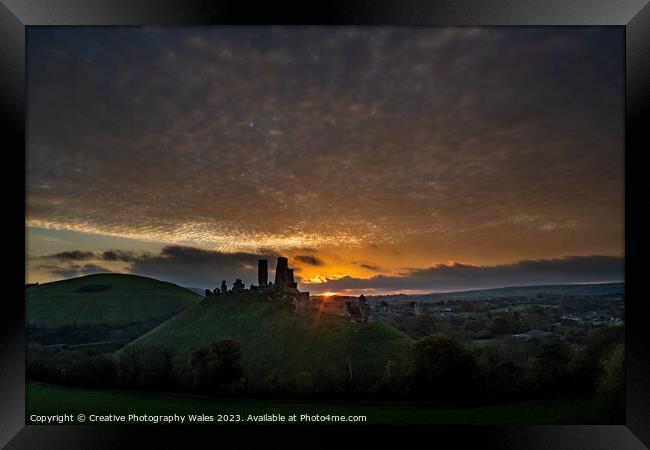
column 377, row 160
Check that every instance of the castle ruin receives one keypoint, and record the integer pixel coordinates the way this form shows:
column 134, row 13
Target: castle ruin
column 285, row 289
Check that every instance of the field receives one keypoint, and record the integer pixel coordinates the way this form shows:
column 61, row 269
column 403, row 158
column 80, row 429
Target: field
column 108, row 299
column 47, row 399
column 273, row 337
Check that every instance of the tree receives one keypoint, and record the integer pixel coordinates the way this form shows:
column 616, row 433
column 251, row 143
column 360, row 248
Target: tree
column 473, row 325
column 441, row 368
column 500, row 325
column 611, row 385
column 216, row 364
column 587, row 365
column 419, row 326
column 147, row 367
column 304, row 383
column 549, row 371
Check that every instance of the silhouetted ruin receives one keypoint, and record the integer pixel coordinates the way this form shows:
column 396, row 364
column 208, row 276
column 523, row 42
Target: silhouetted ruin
column 284, row 289
column 238, row 286
column 262, row 273
column 282, row 272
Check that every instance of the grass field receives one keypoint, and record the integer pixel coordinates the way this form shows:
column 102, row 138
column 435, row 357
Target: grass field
column 110, row 299
column 47, row 399
column 483, row 343
column 273, row 337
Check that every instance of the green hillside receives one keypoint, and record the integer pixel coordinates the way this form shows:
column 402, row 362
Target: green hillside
column 275, row 339
column 109, row 299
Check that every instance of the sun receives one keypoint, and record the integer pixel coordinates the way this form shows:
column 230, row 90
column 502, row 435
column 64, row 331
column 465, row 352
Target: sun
column 328, row 294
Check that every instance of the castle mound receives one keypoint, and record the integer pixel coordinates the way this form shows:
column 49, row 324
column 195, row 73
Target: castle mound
column 111, row 299
column 274, row 339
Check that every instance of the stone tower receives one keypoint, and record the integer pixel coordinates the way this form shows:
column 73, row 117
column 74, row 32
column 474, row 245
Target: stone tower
column 262, row 273
column 282, row 272
column 290, row 280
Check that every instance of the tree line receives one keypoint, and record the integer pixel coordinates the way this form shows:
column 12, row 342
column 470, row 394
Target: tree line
column 436, row 368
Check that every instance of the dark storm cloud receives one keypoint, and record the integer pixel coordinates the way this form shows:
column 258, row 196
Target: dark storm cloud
column 72, row 270
column 201, row 268
column 109, row 255
column 120, row 255
column 75, row 255
column 373, row 267
column 241, row 138
column 187, row 266
column 309, row 259
column 571, row 269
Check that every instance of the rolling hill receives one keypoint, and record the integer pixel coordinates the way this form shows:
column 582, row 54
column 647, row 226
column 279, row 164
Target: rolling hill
column 274, row 339
column 104, row 299
column 509, row 292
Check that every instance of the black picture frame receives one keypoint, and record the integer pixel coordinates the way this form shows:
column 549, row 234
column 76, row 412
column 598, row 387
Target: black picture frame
column 633, row 15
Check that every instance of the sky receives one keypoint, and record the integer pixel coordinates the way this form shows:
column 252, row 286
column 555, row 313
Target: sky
column 378, row 160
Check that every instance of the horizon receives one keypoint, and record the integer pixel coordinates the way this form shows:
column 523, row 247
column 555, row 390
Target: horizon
column 343, row 294
column 377, row 159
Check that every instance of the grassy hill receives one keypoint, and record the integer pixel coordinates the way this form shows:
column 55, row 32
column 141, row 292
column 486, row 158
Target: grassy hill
column 108, row 299
column 274, row 338
column 594, row 289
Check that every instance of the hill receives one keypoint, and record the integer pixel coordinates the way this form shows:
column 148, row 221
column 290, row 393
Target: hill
column 274, row 339
column 514, row 291
column 104, row 299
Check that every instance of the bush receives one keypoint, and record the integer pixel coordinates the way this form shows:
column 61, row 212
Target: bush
column 500, row 325
column 304, row 383
column 549, row 370
column 216, row 365
column 419, row 326
column 473, row 326
column 611, row 385
column 74, row 368
column 442, row 369
column 502, row 381
column 148, row 367
column 586, row 367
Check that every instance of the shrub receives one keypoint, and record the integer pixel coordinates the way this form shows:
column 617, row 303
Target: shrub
column 611, row 384
column 549, row 370
column 216, row 365
column 442, row 369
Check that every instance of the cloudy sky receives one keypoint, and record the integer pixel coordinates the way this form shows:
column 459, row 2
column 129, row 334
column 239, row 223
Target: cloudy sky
column 376, row 159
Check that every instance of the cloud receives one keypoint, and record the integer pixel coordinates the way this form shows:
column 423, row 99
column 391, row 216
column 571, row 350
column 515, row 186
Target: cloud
column 280, row 137
column 570, row 269
column 75, row 255
column 196, row 267
column 120, row 255
column 187, row 266
column 72, row 270
column 373, row 267
column 108, row 255
column 309, row 259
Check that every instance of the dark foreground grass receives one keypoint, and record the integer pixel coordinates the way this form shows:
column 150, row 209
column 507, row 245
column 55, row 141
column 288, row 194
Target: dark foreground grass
column 47, row 400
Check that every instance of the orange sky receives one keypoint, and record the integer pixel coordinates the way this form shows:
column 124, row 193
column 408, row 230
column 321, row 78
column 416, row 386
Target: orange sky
column 356, row 152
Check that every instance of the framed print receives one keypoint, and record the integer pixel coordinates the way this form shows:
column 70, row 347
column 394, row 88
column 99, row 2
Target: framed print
column 363, row 219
